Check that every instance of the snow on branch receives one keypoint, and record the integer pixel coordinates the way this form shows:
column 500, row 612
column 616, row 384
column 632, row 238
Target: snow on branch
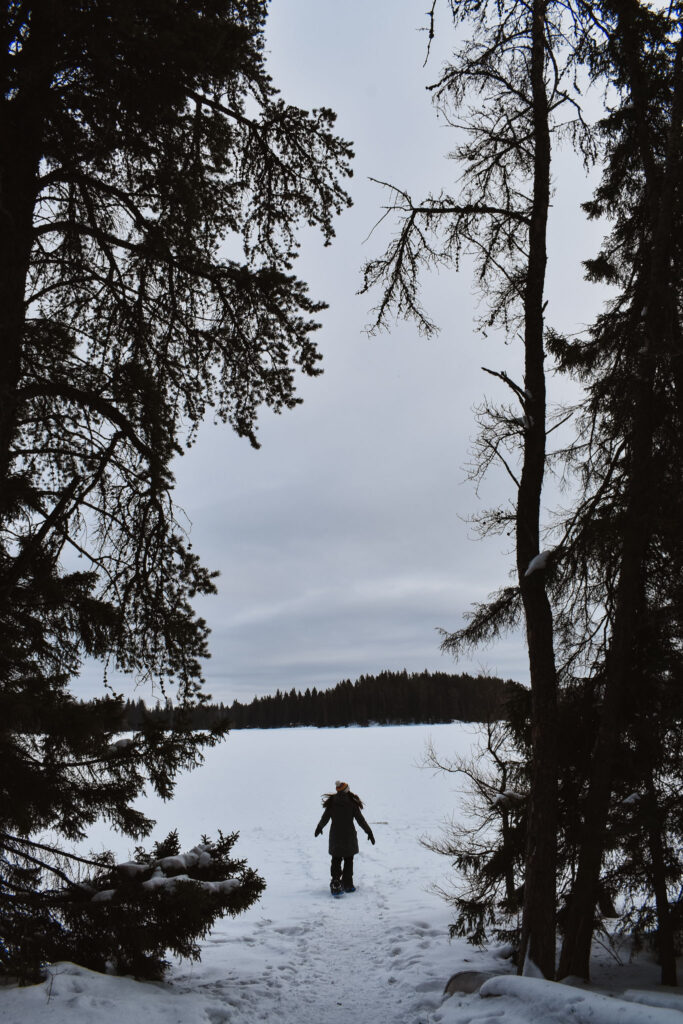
column 539, row 561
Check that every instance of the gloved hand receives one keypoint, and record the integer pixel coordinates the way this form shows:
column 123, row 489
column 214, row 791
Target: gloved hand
column 318, row 831
column 371, row 838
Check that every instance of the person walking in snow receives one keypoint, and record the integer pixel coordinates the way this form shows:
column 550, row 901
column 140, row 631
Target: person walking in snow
column 341, row 807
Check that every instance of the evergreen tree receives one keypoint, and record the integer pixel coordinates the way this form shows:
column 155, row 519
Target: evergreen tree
column 151, row 182
column 601, row 814
column 517, row 69
column 414, row 697
column 620, row 574
column 485, row 841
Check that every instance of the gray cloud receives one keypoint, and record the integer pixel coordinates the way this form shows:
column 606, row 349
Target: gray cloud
column 342, row 543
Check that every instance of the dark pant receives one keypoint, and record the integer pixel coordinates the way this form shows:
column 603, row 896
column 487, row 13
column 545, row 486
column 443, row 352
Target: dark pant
column 344, row 875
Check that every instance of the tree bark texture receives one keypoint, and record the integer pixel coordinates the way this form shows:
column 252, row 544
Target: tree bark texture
column 538, row 920
column 666, row 938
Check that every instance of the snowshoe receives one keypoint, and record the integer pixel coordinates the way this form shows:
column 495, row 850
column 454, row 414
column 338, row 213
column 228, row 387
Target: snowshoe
column 336, row 889
column 350, row 888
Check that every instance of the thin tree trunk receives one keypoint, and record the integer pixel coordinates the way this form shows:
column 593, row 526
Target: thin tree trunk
column 538, row 919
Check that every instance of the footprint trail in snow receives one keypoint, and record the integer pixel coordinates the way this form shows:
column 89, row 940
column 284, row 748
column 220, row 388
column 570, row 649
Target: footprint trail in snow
column 373, row 955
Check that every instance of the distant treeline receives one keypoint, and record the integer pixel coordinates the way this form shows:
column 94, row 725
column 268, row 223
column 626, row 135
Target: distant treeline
column 390, row 698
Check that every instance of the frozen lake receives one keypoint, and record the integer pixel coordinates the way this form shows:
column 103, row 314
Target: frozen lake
column 268, row 783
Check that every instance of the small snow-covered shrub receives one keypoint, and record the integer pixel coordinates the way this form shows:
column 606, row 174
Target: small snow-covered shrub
column 127, row 917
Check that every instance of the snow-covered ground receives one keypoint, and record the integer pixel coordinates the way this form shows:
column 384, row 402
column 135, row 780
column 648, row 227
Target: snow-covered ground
column 380, row 955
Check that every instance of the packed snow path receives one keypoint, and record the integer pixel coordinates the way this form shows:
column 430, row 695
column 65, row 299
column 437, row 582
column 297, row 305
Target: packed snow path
column 373, row 955
column 301, row 953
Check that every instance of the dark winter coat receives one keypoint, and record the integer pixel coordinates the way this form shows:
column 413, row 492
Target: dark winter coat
column 341, row 808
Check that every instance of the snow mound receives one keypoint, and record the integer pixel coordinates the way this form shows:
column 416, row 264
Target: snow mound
column 546, row 1002
column 72, row 993
column 664, row 998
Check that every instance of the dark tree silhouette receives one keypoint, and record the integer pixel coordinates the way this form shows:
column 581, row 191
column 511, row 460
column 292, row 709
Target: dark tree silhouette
column 151, row 183
column 389, row 698
column 623, row 555
column 600, row 813
column 512, row 70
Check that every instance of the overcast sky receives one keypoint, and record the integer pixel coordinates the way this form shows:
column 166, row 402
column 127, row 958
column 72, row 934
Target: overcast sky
column 343, row 543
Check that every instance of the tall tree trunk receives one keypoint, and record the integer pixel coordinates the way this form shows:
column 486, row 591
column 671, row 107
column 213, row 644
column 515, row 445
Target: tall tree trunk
column 538, row 919
column 25, row 98
column 17, row 176
column 576, row 948
column 653, row 300
column 665, row 930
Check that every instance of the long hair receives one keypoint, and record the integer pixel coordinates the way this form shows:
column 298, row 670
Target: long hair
column 328, row 797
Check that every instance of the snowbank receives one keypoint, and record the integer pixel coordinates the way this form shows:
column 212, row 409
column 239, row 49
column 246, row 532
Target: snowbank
column 547, row 1001
column 74, row 995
